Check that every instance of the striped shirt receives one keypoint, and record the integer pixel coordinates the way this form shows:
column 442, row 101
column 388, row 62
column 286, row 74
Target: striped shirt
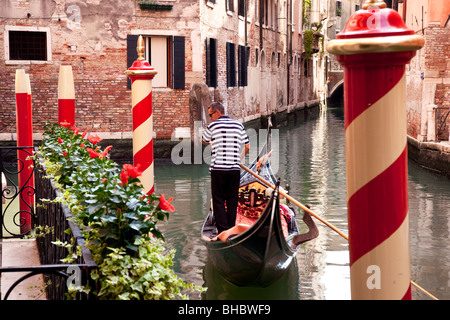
column 226, row 137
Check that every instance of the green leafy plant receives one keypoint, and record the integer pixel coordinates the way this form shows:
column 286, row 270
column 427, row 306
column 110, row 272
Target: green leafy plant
column 306, row 13
column 117, row 218
column 308, row 39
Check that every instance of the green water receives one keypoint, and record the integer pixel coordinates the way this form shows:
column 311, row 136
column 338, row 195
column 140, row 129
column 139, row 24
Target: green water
column 310, row 157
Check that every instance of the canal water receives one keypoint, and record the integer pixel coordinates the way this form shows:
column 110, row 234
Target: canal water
column 311, row 160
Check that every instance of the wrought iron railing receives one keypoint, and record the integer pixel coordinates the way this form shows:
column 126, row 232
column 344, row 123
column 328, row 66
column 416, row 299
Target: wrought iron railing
column 55, row 216
column 442, row 114
column 16, row 207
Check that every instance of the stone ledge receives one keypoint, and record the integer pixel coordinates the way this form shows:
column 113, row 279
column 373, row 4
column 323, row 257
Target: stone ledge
column 432, row 155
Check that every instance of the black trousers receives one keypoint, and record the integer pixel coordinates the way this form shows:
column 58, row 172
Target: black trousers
column 224, row 190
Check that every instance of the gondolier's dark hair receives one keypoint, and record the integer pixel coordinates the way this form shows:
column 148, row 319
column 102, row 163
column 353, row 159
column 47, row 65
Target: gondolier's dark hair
column 217, row 106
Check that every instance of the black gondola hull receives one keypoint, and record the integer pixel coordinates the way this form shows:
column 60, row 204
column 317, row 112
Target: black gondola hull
column 260, row 255
column 257, row 257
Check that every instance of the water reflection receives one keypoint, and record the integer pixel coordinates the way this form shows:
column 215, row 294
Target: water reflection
column 311, row 157
column 429, row 230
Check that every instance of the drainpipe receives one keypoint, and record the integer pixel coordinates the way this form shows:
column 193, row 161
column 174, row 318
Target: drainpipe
column 261, row 12
column 404, row 10
column 245, row 25
column 288, row 45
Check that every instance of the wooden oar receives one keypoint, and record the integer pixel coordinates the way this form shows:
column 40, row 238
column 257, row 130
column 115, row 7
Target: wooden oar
column 297, row 203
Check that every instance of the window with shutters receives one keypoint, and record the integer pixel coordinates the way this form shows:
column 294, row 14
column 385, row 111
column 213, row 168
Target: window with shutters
column 230, row 5
column 166, row 55
column 268, row 13
column 231, row 64
column 211, row 62
column 241, row 8
column 338, row 8
column 307, row 67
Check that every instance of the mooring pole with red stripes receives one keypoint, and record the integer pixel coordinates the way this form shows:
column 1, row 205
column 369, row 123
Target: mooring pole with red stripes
column 141, row 75
column 374, row 48
column 24, row 139
column 66, row 97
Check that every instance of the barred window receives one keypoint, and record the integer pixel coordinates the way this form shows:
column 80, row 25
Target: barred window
column 27, row 44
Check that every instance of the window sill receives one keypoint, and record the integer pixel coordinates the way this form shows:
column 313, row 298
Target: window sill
column 11, row 62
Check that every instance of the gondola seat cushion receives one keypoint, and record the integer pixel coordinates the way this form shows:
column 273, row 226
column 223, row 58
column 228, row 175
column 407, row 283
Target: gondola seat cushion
column 250, row 212
column 248, row 215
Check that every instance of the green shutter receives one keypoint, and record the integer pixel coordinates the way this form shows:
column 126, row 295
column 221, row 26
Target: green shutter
column 231, row 64
column 131, row 53
column 178, row 72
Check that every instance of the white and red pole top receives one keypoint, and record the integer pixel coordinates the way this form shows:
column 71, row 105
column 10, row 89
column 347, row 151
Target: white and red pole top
column 21, row 81
column 375, row 29
column 141, row 69
column 66, row 88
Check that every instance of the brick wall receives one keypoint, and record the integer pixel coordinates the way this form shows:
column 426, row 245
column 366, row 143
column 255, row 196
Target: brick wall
column 437, row 57
column 429, row 81
column 103, row 102
column 96, row 48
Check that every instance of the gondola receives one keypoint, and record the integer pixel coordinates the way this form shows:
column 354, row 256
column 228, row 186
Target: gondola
column 258, row 250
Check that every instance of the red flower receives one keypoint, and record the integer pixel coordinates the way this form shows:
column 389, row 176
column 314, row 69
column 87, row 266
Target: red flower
column 92, row 153
column 123, row 177
column 84, row 134
column 60, row 140
column 64, row 154
column 75, row 130
column 95, row 154
column 134, row 172
column 165, row 205
column 129, row 171
column 105, row 152
column 94, row 139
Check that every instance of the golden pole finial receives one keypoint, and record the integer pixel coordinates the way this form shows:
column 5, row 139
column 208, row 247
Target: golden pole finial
column 140, row 48
column 376, row 3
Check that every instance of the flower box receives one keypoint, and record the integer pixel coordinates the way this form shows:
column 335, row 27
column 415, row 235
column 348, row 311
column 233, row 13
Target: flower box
column 154, row 6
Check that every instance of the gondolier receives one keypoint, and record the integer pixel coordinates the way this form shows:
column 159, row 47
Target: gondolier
column 264, row 241
column 226, row 136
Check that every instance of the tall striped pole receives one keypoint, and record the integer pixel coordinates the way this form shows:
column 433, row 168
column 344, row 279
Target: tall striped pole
column 66, row 97
column 141, row 75
column 24, row 139
column 374, row 48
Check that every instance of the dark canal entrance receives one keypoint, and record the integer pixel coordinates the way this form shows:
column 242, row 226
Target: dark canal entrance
column 312, row 161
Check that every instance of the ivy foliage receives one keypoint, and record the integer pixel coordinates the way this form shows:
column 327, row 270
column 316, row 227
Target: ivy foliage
column 308, row 39
column 117, row 218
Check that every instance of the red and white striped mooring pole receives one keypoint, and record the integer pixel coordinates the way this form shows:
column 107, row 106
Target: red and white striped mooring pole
column 24, row 139
column 374, row 48
column 141, row 75
column 66, row 97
